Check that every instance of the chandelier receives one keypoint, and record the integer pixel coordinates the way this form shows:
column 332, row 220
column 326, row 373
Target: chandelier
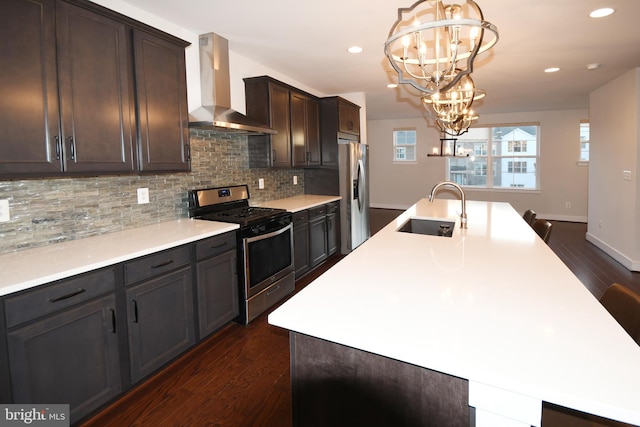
column 454, row 101
column 458, row 125
column 432, row 45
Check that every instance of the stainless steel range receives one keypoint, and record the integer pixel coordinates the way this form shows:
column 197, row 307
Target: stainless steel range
column 265, row 245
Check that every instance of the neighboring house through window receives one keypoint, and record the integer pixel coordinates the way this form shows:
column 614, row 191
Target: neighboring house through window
column 404, row 145
column 498, row 157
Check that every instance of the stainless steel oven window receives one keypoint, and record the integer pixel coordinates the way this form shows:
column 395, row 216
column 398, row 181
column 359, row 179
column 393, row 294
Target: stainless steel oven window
column 267, row 258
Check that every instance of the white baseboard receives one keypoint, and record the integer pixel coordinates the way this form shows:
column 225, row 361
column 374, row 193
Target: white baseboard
column 627, row 262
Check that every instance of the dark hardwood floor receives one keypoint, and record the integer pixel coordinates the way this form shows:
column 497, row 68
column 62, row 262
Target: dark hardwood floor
column 595, row 269
column 240, row 375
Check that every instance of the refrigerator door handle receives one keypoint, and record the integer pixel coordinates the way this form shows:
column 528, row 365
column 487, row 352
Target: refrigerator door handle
column 359, row 189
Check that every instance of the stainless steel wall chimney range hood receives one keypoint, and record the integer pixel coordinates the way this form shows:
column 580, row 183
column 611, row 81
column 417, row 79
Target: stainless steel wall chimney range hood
column 216, row 112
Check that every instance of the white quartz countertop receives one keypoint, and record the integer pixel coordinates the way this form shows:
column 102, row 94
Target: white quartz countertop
column 33, row 267
column 492, row 304
column 299, row 203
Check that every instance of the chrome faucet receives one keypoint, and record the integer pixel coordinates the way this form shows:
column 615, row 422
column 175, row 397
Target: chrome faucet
column 463, row 215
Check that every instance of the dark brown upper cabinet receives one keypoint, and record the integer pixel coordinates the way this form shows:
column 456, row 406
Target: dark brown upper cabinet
column 95, row 99
column 305, row 130
column 161, row 91
column 340, row 119
column 29, row 111
column 290, row 111
column 68, row 104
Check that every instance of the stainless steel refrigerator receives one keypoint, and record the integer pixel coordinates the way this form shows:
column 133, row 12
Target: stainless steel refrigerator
column 354, row 190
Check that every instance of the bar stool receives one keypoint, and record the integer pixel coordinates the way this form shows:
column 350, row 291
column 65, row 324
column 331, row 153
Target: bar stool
column 624, row 306
column 543, row 228
column 529, row 216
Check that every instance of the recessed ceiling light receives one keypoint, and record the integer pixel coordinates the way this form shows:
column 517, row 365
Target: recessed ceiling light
column 593, row 66
column 392, row 85
column 601, row 13
column 355, row 49
column 551, row 70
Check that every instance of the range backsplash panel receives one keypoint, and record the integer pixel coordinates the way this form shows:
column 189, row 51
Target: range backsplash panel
column 45, row 211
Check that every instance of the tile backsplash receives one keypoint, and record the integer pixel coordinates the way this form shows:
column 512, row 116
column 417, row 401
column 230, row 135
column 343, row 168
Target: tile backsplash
column 46, row 211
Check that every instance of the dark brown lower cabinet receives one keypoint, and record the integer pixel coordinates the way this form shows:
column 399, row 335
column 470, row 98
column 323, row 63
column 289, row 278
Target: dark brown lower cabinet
column 301, row 242
column 84, row 340
column 336, row 385
column 160, row 319
column 217, row 292
column 68, row 358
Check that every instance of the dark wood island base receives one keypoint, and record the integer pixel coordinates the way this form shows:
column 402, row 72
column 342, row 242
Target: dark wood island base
column 336, row 385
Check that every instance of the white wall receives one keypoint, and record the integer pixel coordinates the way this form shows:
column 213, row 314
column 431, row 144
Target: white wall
column 614, row 203
column 562, row 180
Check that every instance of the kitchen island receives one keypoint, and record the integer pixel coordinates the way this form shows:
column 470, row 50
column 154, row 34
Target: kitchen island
column 492, row 306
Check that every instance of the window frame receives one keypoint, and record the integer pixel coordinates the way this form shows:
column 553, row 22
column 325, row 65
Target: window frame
column 581, row 161
column 404, row 147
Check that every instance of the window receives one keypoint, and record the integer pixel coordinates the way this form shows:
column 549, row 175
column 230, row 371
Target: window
column 499, row 157
column 517, row 147
column 404, row 145
column 584, row 140
column 517, row 167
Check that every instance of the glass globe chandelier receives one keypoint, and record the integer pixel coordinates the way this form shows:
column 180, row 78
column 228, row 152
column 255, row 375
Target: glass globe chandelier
column 432, row 45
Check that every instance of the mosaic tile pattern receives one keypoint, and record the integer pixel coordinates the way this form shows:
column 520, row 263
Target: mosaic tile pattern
column 58, row 209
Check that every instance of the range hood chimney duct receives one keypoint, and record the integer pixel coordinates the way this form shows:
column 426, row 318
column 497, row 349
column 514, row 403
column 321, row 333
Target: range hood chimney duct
column 215, row 83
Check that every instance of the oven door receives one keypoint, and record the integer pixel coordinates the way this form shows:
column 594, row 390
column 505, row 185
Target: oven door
column 267, row 258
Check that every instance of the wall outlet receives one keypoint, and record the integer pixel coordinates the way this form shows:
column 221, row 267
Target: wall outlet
column 295, row 180
column 4, row 210
column 143, row 196
column 567, row 205
column 261, row 183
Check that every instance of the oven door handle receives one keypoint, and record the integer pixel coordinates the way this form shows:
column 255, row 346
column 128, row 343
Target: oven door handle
column 269, row 235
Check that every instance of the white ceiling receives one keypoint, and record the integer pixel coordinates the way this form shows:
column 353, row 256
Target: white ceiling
column 307, row 41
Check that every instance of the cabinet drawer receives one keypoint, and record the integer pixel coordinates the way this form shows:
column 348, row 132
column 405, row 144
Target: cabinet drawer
column 317, row 211
column 332, row 207
column 300, row 217
column 215, row 245
column 152, row 265
column 37, row 303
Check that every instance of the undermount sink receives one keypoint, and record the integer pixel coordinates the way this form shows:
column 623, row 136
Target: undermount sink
column 432, row 227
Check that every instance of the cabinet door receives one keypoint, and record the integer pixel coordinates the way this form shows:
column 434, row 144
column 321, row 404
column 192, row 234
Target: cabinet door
column 29, row 116
column 280, row 120
column 317, row 240
column 95, row 93
column 301, row 247
column 218, row 300
column 71, row 357
column 333, row 233
column 348, row 118
column 162, row 104
column 313, row 133
column 160, row 318
column 305, row 131
column 298, row 129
